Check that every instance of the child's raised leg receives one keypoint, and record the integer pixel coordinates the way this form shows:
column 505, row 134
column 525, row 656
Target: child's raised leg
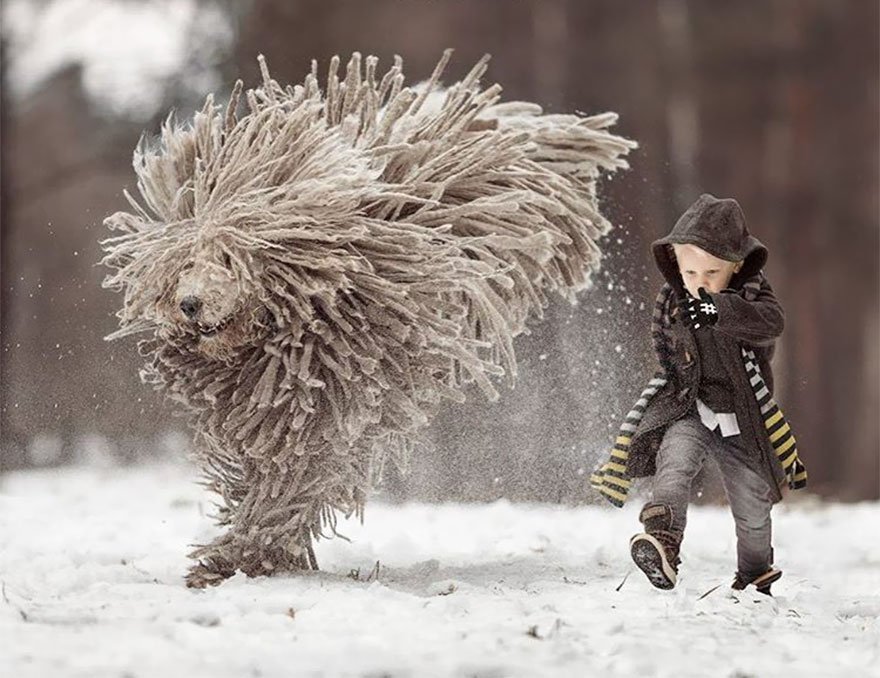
column 679, row 459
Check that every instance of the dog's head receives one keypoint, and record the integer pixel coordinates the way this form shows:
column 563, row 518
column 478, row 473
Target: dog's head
column 208, row 295
column 196, row 286
column 243, row 224
column 213, row 295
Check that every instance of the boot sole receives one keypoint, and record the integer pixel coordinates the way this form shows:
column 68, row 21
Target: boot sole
column 763, row 582
column 649, row 556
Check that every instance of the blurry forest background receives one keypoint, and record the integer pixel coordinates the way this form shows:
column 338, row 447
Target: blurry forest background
column 774, row 103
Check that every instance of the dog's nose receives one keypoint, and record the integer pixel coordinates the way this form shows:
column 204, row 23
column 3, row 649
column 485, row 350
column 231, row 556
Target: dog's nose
column 190, row 306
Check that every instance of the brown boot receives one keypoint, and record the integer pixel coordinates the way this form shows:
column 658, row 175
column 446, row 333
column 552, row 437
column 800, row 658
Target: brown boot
column 762, row 582
column 655, row 550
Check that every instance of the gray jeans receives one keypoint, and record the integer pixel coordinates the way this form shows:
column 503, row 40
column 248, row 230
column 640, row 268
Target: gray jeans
column 684, row 449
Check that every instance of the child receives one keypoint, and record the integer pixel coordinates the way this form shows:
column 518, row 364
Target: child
column 714, row 328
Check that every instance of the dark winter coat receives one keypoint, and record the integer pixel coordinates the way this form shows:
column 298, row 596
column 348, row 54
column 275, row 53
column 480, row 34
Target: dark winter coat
column 718, row 227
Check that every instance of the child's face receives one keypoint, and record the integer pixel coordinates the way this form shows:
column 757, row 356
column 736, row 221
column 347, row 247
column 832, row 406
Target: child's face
column 699, row 269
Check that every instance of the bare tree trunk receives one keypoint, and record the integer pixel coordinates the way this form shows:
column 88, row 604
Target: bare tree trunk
column 12, row 453
column 549, row 60
column 682, row 111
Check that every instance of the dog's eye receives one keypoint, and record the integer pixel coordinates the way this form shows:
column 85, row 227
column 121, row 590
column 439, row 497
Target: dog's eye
column 187, row 266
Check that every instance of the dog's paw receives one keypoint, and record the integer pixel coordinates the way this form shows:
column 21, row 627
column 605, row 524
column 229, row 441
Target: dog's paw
column 201, row 576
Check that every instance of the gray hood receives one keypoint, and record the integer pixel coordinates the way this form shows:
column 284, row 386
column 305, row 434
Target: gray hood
column 718, row 226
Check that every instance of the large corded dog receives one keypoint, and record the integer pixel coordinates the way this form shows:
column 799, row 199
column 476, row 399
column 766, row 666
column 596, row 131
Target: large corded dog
column 317, row 271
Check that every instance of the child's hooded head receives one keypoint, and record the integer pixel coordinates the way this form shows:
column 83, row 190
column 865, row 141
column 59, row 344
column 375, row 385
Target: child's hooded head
column 709, row 247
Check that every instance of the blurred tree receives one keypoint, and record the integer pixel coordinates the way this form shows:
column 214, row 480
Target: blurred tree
column 12, row 441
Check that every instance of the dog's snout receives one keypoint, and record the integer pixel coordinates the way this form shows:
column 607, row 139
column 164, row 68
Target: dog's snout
column 190, row 306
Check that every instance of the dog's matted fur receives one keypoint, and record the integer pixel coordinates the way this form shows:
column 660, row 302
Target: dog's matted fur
column 318, row 271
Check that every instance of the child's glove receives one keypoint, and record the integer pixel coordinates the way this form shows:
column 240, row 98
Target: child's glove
column 697, row 313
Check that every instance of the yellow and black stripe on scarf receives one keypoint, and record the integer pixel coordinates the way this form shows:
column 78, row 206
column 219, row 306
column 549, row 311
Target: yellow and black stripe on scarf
column 612, row 479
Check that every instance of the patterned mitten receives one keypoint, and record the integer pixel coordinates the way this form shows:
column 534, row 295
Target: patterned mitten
column 697, row 313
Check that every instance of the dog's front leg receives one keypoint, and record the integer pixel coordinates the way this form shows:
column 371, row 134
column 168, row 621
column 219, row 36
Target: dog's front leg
column 272, row 526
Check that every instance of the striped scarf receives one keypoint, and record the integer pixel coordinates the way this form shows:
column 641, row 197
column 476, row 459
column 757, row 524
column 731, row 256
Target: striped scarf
column 612, row 479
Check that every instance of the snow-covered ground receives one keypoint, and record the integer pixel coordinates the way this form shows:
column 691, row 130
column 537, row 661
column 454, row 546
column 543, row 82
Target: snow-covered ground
column 91, row 563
